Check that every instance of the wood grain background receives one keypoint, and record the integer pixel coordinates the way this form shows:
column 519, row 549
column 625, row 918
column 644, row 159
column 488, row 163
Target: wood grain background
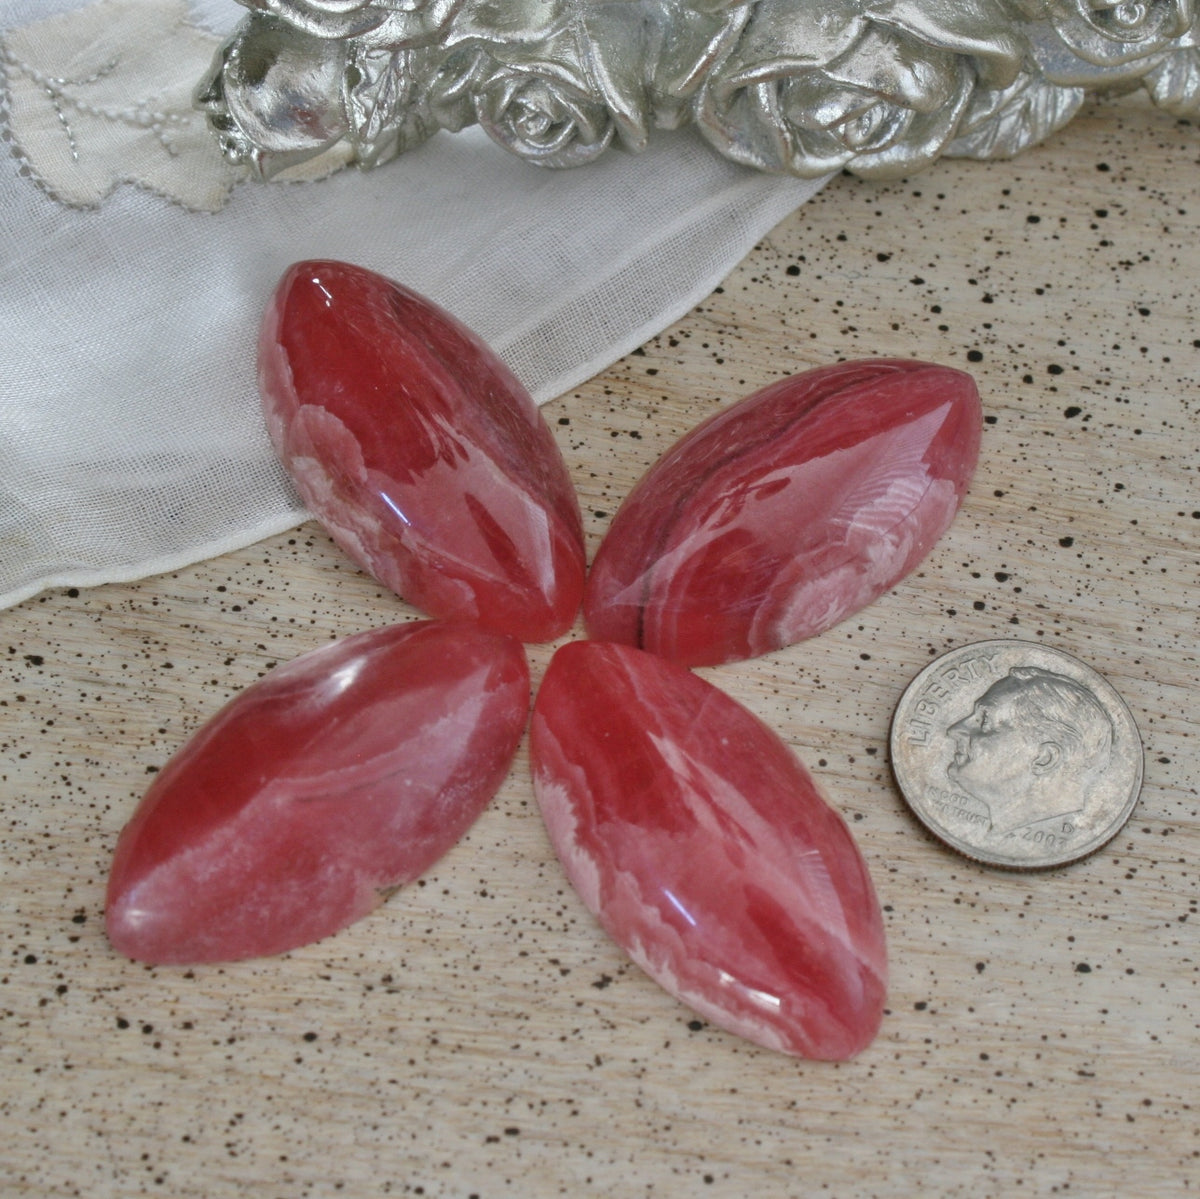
column 479, row 1035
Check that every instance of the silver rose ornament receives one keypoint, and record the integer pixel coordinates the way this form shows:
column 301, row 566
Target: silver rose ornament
column 845, row 88
column 879, row 87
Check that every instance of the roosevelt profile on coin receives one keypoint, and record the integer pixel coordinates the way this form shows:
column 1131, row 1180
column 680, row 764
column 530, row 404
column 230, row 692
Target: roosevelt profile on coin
column 1032, row 749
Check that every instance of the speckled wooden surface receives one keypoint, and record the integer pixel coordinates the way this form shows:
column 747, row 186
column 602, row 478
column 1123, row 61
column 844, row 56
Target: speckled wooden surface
column 478, row 1035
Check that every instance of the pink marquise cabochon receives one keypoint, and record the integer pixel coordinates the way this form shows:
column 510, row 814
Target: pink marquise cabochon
column 707, row 852
column 787, row 512
column 316, row 791
column 420, row 452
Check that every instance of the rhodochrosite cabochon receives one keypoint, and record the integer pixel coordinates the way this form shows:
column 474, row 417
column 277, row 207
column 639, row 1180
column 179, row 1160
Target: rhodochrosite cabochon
column 688, row 827
column 420, row 452
column 332, row 780
column 787, row 511
column 707, row 852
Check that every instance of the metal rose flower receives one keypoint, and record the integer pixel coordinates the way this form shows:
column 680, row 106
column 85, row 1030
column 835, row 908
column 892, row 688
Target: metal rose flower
column 541, row 114
column 877, row 87
column 1113, row 33
column 279, row 96
column 557, row 81
column 274, row 96
column 881, row 87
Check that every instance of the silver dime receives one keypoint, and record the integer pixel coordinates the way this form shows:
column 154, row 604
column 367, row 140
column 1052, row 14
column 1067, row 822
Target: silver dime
column 1016, row 754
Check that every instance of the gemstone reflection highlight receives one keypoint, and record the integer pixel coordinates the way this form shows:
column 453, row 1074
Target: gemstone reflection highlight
column 707, row 852
column 787, row 512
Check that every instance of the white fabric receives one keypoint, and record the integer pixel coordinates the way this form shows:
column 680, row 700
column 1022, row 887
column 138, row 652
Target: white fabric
column 130, row 435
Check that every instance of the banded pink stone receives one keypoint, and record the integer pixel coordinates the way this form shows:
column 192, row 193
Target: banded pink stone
column 787, row 512
column 707, row 852
column 331, row 781
column 420, row 452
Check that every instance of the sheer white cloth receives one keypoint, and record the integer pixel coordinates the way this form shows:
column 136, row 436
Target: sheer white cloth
column 130, row 435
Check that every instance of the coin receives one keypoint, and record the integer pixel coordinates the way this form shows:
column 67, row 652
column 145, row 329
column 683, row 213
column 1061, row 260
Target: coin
column 1016, row 754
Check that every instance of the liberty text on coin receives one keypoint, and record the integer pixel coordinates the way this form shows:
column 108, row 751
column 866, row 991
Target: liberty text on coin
column 1016, row 754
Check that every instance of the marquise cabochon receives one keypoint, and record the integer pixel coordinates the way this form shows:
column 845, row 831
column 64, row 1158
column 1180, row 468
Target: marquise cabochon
column 787, row 512
column 316, row 791
column 707, row 852
column 419, row 451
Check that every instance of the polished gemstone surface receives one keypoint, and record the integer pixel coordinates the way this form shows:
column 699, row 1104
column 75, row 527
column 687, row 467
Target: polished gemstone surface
column 707, row 851
column 332, row 780
column 787, row 512
column 420, row 452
